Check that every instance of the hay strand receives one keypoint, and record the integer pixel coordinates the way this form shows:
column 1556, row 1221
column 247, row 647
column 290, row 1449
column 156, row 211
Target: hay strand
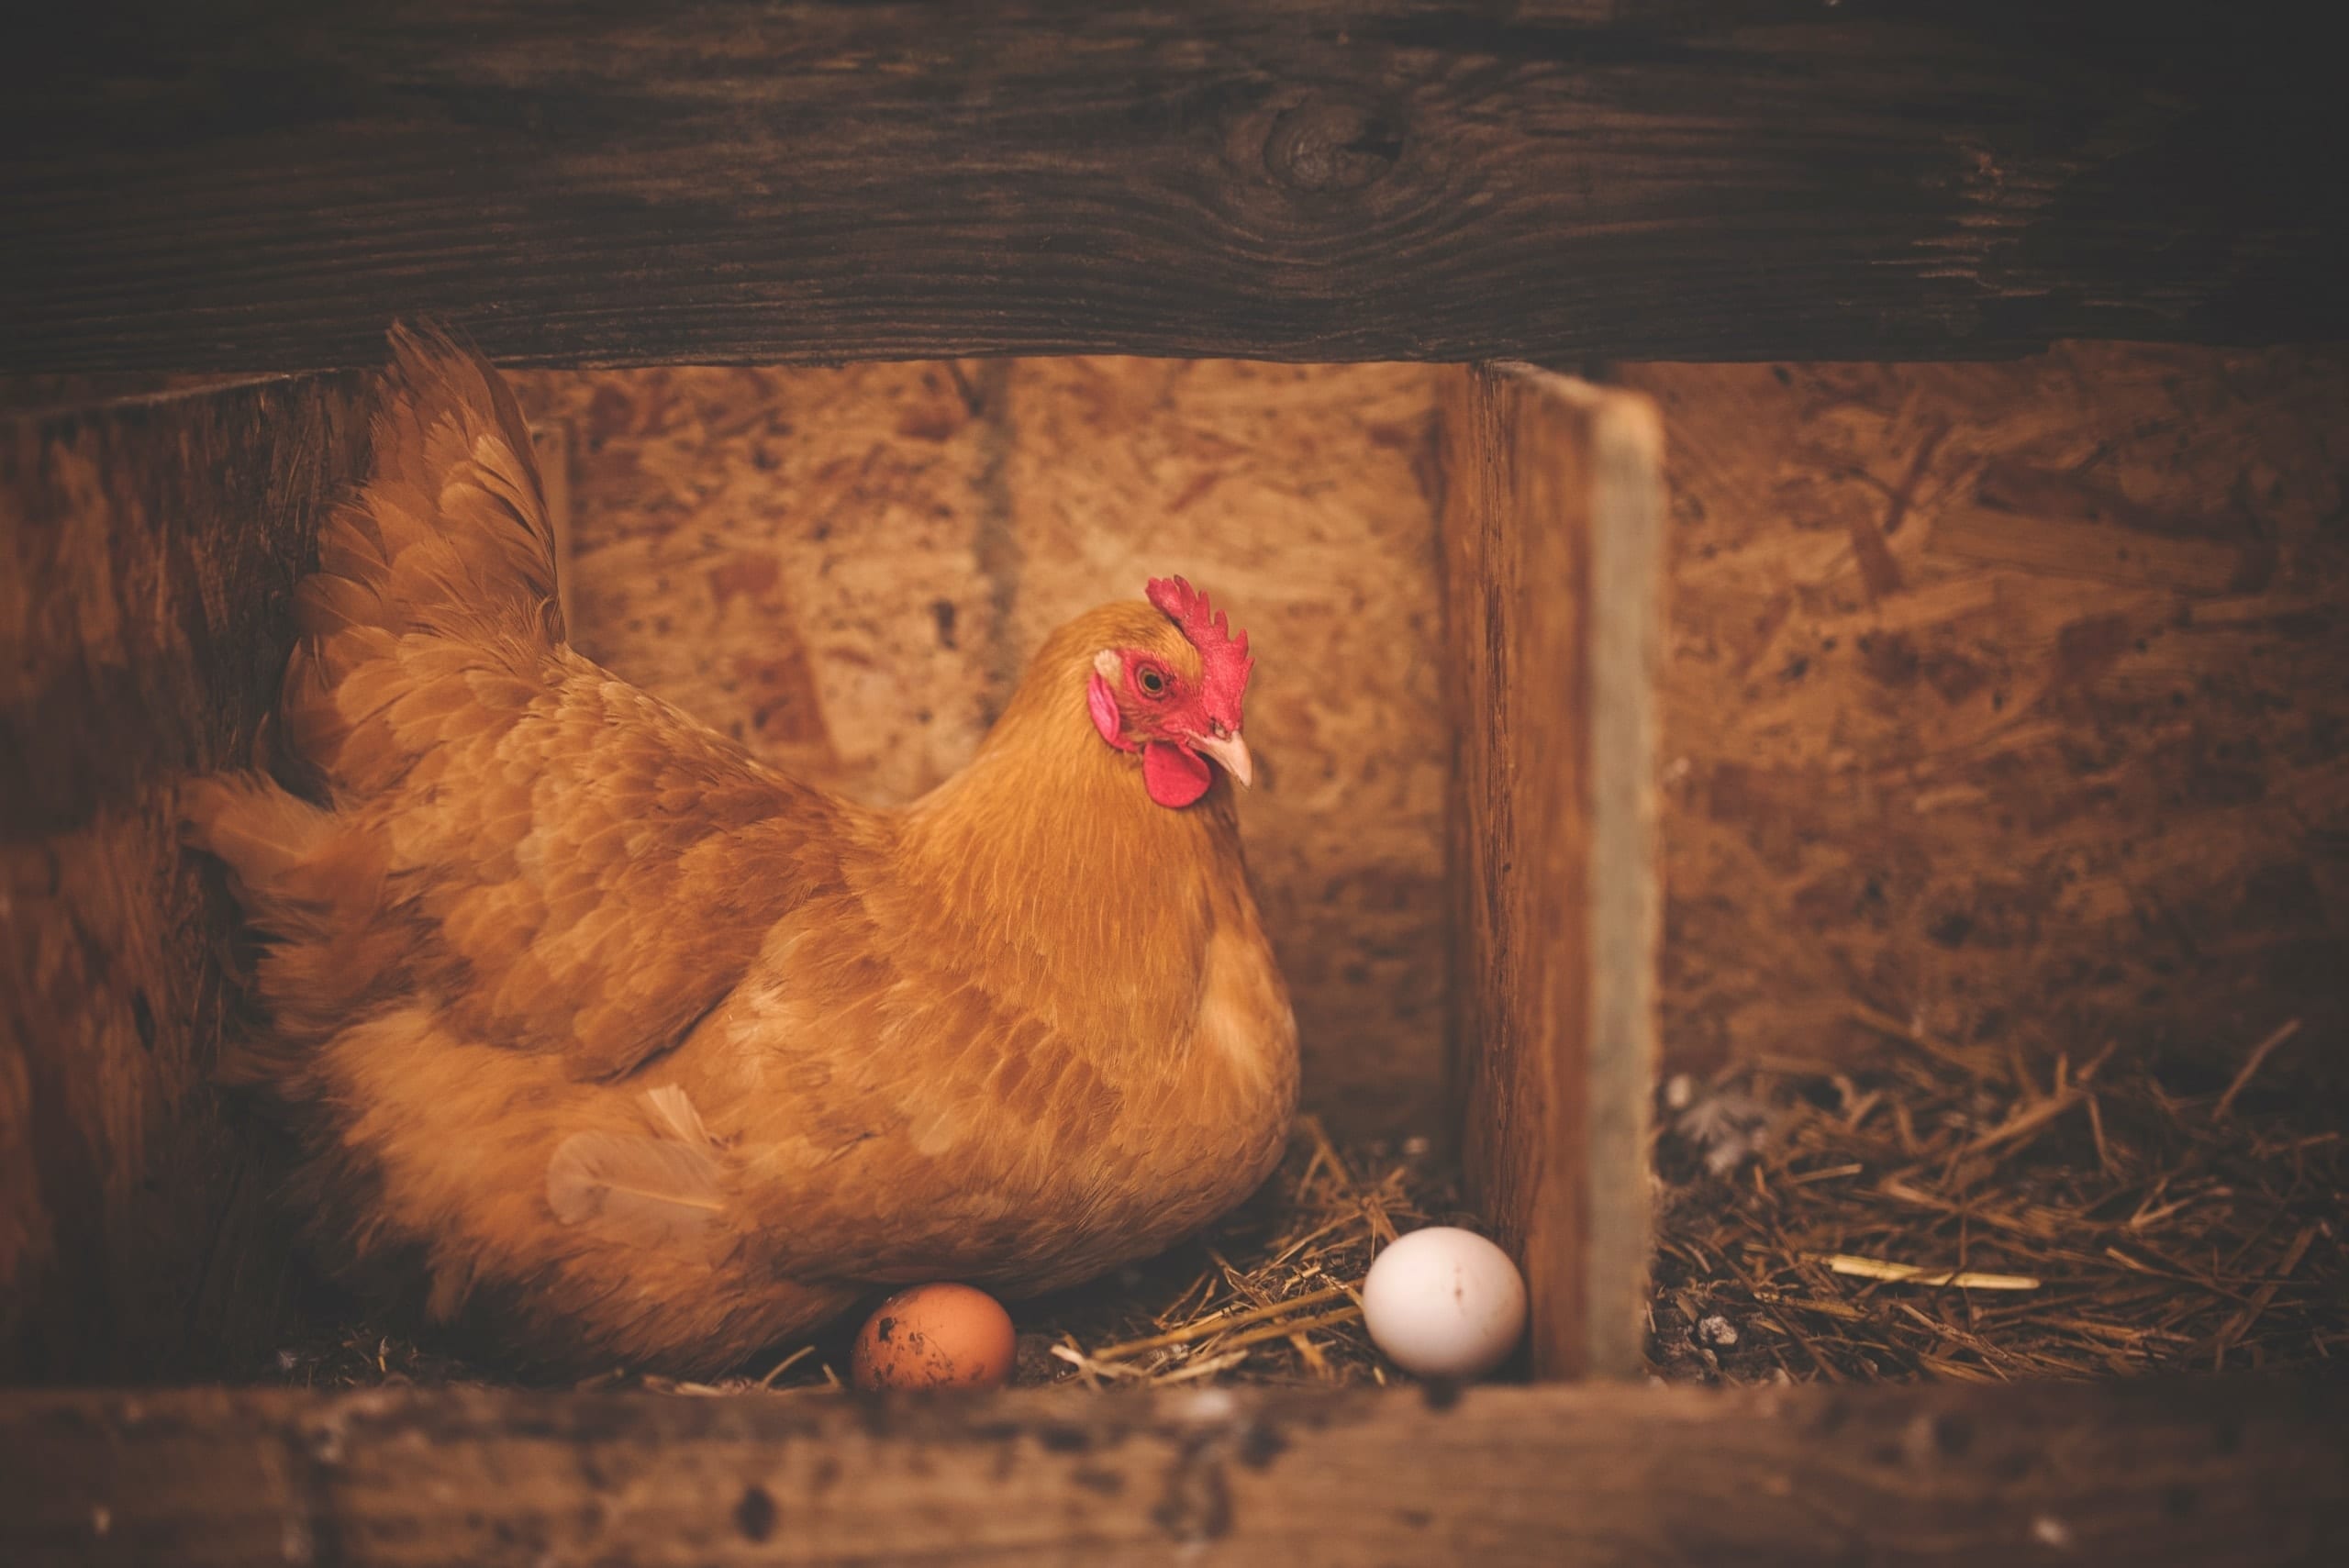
column 1963, row 1213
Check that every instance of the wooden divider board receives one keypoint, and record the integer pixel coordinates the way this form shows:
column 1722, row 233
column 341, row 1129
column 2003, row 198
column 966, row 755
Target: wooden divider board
column 148, row 554
column 2241, row 1471
column 1551, row 513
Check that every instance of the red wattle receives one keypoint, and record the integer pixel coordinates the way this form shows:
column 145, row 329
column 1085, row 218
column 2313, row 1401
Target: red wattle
column 1174, row 776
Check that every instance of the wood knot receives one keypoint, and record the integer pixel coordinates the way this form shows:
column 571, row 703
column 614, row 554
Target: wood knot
column 1319, row 146
column 754, row 1516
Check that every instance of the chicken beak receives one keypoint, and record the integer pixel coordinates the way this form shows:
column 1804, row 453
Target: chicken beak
column 1231, row 751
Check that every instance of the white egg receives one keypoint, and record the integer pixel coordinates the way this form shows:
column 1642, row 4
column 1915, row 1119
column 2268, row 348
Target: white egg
column 1445, row 1302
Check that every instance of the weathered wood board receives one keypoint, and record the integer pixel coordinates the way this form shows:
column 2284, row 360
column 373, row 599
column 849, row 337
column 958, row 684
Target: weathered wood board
column 2007, row 700
column 1552, row 526
column 147, row 552
column 260, row 186
column 2243, row 1472
column 847, row 570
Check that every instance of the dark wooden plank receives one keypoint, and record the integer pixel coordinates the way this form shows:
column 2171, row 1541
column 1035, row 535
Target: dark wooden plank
column 1552, row 518
column 261, row 183
column 2242, row 1473
column 146, row 553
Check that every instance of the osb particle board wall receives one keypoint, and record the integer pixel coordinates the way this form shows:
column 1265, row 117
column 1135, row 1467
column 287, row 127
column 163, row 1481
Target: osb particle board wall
column 2003, row 698
column 847, row 569
column 2009, row 698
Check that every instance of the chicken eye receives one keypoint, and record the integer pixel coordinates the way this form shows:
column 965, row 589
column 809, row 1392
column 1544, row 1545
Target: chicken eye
column 1151, row 682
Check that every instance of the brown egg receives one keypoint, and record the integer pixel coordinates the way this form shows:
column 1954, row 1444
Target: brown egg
column 934, row 1336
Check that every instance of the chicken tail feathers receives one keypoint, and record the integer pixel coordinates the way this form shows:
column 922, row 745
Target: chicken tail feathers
column 300, row 879
column 264, row 835
column 450, row 534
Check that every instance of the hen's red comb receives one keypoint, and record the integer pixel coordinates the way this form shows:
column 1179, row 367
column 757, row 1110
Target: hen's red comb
column 1223, row 657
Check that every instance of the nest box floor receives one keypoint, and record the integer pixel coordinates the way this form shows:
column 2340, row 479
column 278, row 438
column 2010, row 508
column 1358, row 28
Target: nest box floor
column 1266, row 1296
column 1958, row 1213
column 1953, row 1213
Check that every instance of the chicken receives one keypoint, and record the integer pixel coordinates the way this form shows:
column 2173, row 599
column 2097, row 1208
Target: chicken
column 605, row 1039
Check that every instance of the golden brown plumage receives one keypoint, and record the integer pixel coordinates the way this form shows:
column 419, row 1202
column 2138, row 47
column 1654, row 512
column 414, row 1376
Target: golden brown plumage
column 633, row 1049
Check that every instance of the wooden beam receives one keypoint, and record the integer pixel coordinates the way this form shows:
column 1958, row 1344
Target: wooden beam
column 2247, row 1473
column 1552, row 515
column 261, row 185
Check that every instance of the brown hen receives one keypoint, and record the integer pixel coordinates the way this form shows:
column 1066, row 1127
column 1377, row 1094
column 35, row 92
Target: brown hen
column 625, row 1047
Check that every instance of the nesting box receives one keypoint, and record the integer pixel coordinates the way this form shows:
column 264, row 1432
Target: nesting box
column 1530, row 686
column 1685, row 711
column 167, row 532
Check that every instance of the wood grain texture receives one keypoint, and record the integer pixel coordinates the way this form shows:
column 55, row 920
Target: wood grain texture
column 1551, row 566
column 2242, row 1473
column 146, row 550
column 847, row 570
column 259, row 185
column 2008, row 699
